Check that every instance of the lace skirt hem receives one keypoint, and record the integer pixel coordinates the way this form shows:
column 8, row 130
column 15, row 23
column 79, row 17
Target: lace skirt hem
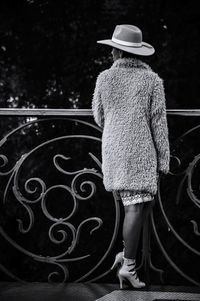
column 130, row 197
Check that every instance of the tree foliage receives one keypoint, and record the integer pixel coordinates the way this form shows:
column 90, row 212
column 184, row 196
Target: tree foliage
column 49, row 56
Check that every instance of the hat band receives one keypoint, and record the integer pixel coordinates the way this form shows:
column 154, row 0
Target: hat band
column 124, row 43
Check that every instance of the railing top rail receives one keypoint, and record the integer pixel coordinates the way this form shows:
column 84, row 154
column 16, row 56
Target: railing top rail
column 79, row 112
column 46, row 112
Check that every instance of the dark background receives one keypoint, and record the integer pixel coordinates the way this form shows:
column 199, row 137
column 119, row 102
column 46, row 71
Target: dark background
column 49, row 59
column 49, row 56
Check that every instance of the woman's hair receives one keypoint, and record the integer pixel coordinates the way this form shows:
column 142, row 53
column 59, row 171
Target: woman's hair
column 135, row 56
column 129, row 55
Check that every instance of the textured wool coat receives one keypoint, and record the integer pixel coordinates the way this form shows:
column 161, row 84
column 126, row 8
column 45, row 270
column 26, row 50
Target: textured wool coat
column 129, row 105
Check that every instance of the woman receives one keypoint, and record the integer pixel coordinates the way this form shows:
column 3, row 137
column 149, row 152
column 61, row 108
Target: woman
column 129, row 104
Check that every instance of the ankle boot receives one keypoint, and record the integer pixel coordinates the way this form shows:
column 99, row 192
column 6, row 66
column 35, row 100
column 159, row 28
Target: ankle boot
column 128, row 273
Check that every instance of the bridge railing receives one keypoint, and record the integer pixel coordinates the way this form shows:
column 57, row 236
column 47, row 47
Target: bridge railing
column 57, row 222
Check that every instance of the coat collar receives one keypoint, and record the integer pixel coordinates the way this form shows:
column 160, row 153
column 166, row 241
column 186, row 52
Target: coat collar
column 130, row 63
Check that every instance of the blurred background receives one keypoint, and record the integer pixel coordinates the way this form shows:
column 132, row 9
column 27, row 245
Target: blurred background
column 49, row 57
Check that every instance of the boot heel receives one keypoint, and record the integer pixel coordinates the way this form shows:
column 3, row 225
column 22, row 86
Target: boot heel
column 114, row 264
column 118, row 260
column 121, row 279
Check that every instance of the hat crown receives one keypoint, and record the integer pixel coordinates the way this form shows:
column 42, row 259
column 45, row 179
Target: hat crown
column 128, row 38
column 128, row 34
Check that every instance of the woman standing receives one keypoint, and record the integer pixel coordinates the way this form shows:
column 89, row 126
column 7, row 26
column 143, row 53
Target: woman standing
column 129, row 104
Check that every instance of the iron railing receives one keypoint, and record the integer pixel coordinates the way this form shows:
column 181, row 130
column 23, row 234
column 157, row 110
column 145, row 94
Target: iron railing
column 43, row 162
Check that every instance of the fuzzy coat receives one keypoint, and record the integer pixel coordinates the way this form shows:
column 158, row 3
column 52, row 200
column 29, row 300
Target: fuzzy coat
column 129, row 105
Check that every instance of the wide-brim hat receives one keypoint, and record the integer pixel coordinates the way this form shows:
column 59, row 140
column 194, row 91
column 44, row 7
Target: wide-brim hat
column 129, row 38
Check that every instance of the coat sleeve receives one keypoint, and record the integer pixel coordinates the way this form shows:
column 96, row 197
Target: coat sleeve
column 97, row 106
column 159, row 126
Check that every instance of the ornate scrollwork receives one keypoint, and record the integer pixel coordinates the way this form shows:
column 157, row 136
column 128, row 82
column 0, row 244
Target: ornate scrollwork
column 35, row 191
column 186, row 194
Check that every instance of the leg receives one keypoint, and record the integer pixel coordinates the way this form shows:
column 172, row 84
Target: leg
column 148, row 206
column 131, row 229
column 131, row 232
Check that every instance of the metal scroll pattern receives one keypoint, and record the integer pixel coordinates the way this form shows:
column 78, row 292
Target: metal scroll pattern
column 71, row 234
column 175, row 220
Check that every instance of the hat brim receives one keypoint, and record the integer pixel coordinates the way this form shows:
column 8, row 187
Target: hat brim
column 145, row 50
